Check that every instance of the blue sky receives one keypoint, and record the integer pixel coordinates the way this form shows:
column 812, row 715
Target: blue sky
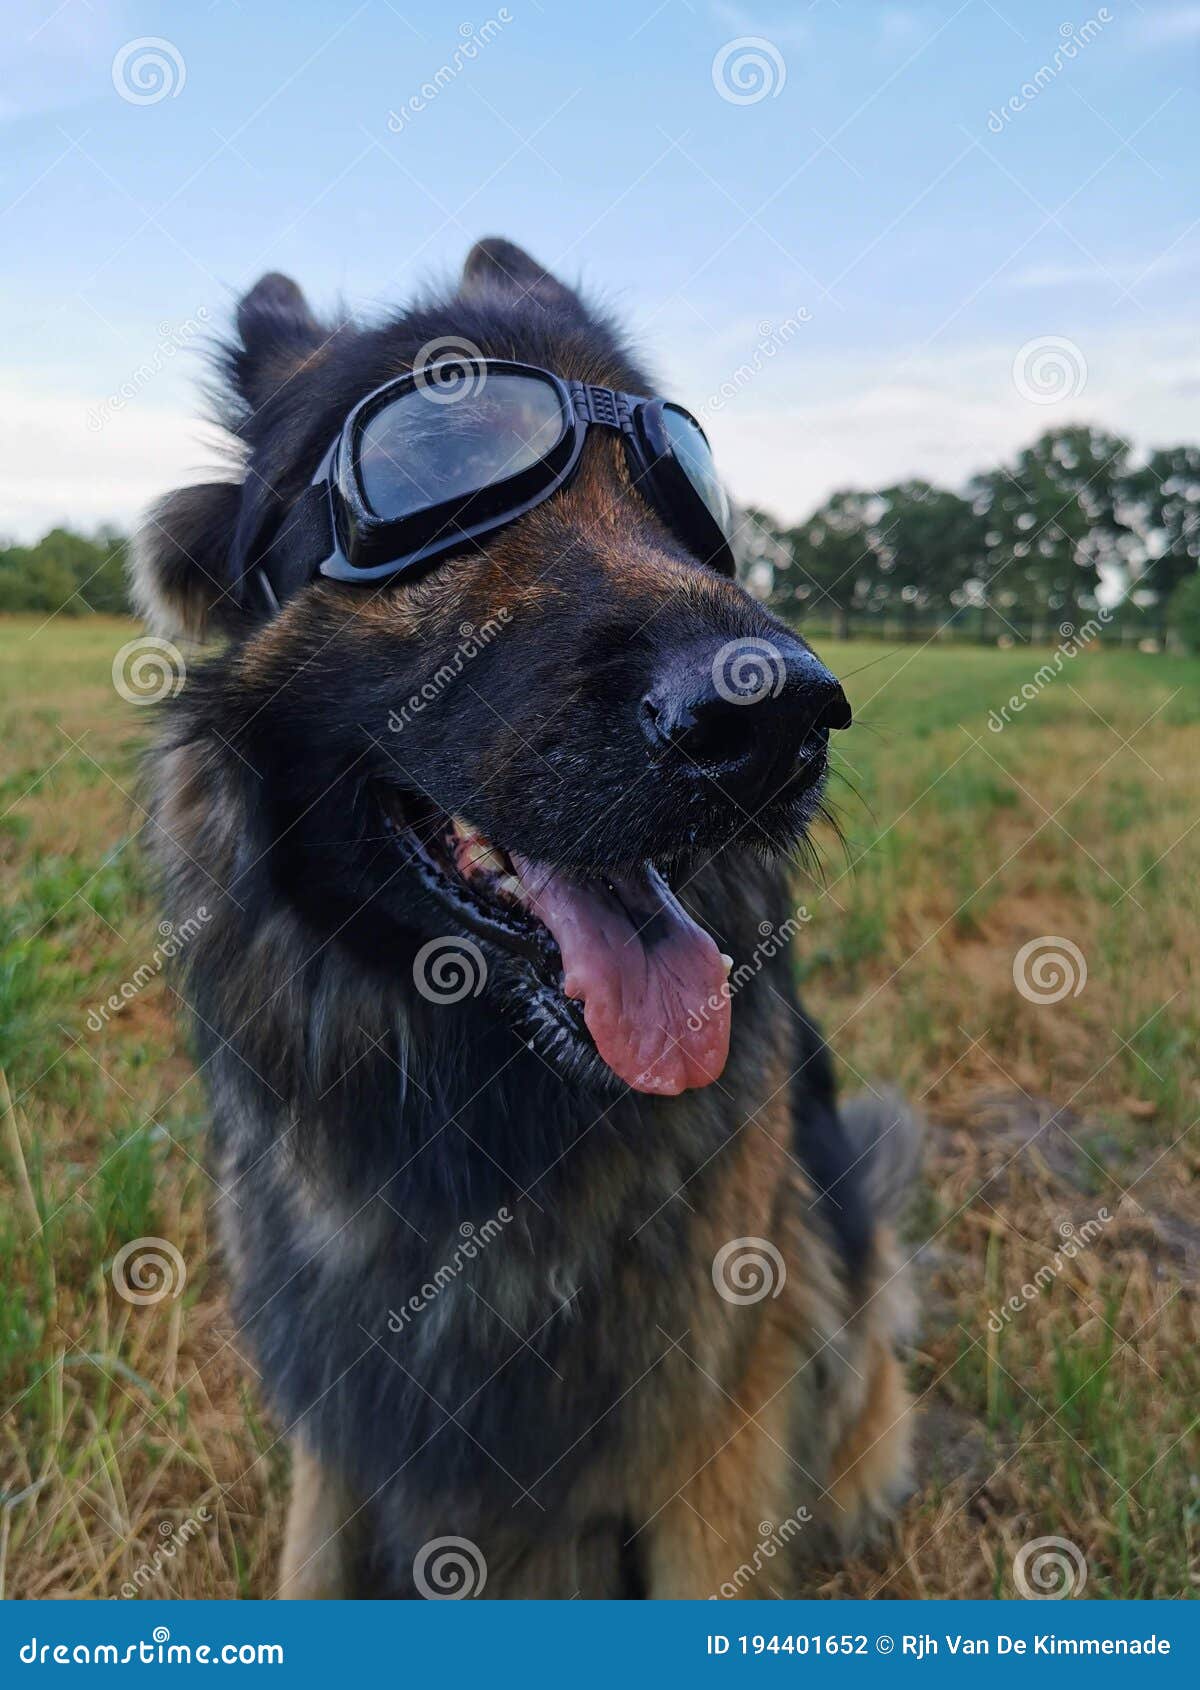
column 867, row 263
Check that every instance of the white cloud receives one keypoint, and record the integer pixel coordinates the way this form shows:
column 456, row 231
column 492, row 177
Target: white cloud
column 55, row 468
column 1168, row 25
column 783, row 32
column 899, row 26
column 810, row 422
column 55, row 56
column 1129, row 273
column 942, row 415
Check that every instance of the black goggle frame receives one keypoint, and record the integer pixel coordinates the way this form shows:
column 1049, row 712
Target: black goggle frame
column 333, row 530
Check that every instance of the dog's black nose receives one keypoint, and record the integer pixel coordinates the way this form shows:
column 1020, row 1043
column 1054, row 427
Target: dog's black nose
column 749, row 714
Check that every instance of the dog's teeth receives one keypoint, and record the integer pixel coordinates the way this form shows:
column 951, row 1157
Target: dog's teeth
column 473, row 853
column 726, row 962
column 479, row 858
column 509, row 884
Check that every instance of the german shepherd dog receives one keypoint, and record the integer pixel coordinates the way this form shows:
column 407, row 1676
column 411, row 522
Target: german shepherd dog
column 549, row 1302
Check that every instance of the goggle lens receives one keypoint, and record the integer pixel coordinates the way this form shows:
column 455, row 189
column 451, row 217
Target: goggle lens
column 458, row 433
column 694, row 457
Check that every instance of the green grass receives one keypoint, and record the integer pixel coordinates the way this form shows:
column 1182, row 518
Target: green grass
column 1075, row 1419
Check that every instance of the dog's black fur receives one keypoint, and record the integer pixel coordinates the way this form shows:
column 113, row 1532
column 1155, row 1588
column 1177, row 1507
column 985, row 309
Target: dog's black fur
column 360, row 1129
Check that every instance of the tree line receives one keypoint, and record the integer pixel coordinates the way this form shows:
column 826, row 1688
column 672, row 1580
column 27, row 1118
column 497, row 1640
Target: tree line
column 1030, row 542
column 65, row 571
column 1026, row 546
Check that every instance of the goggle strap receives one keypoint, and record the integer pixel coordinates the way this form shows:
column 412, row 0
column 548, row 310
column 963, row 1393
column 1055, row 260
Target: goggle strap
column 600, row 405
column 302, row 544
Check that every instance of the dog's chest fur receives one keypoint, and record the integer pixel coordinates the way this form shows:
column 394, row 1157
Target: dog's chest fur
column 461, row 1354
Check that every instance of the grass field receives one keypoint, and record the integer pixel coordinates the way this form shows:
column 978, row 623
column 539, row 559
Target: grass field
column 1056, row 1233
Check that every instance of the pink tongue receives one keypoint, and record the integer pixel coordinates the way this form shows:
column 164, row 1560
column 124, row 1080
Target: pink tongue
column 652, row 983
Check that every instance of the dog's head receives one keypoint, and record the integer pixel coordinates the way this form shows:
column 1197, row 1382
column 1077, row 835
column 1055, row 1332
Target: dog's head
column 489, row 779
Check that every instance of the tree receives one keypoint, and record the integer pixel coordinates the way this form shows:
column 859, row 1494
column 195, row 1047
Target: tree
column 761, row 551
column 928, row 543
column 835, row 567
column 65, row 571
column 1184, row 612
column 1164, row 497
column 1055, row 522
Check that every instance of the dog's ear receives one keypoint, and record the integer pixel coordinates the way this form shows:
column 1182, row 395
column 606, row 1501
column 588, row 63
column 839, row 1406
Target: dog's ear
column 495, row 265
column 180, row 579
column 276, row 332
column 181, row 576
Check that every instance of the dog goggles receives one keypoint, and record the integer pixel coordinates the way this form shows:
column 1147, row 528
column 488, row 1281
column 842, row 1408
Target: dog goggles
column 434, row 461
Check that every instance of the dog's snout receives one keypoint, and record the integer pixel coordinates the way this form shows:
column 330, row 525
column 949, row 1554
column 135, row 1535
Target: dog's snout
column 747, row 713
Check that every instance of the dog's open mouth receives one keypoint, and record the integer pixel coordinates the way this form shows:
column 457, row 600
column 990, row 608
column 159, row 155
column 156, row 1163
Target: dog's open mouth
column 652, row 983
